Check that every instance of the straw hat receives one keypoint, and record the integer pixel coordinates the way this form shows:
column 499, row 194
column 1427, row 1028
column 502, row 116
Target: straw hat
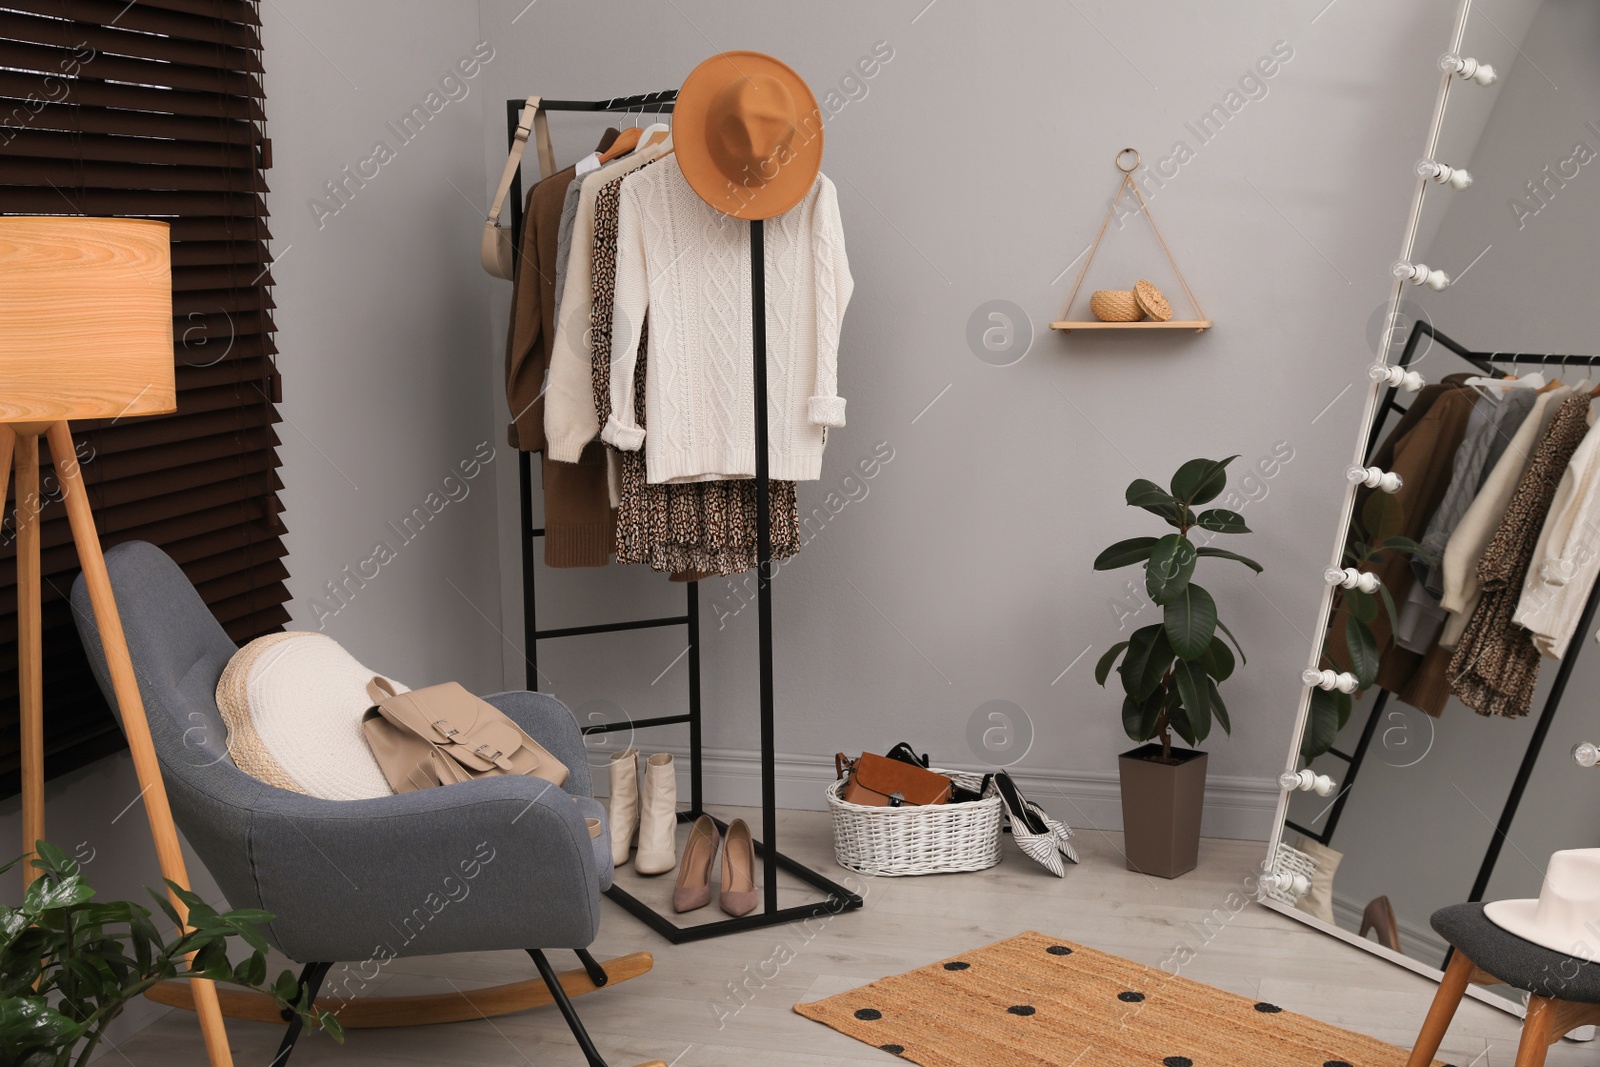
column 748, row 134
column 1566, row 914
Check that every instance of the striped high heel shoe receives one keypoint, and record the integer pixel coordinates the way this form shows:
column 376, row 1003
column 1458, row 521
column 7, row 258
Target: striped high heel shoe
column 1032, row 833
column 1058, row 830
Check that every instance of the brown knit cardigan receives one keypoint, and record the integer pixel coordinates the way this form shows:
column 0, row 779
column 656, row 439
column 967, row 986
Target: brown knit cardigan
column 1421, row 449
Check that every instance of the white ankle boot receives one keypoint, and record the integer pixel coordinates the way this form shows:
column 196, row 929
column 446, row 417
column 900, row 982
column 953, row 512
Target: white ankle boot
column 658, row 817
column 624, row 803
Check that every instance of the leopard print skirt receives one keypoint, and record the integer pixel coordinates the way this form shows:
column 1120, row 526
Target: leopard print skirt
column 698, row 528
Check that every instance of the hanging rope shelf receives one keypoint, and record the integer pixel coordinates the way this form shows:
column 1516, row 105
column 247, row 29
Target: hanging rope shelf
column 1197, row 324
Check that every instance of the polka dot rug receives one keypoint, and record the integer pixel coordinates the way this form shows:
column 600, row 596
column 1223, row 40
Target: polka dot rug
column 1034, row 1000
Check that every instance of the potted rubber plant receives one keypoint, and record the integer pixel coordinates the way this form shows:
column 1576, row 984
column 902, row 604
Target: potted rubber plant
column 1170, row 670
column 69, row 965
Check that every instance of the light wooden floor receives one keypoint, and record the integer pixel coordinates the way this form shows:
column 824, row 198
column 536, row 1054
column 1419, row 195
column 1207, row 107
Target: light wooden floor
column 685, row 1011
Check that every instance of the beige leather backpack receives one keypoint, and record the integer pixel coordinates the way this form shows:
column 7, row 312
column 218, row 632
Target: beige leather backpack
column 443, row 734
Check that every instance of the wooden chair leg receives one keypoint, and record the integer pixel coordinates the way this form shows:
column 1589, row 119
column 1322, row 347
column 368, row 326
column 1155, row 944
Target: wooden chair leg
column 1537, row 1032
column 1452, row 987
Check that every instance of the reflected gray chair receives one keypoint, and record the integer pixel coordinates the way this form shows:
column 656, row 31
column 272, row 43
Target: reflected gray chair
column 497, row 863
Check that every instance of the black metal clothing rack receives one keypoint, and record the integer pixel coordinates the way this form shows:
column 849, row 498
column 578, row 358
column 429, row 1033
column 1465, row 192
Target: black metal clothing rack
column 1489, row 363
column 837, row 898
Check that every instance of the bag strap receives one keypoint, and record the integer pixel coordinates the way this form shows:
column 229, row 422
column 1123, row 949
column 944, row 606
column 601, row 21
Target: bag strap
column 533, row 119
column 380, row 689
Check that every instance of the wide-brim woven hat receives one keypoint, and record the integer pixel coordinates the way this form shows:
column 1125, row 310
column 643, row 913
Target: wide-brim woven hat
column 748, row 134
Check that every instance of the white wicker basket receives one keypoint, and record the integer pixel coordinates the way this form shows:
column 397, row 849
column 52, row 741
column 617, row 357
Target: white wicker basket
column 920, row 838
column 1290, row 861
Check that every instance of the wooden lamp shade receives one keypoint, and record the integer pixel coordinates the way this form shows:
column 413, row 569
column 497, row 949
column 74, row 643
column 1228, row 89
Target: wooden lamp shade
column 85, row 318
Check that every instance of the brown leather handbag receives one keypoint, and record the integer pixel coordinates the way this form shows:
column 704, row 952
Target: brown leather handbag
column 881, row 782
column 443, row 734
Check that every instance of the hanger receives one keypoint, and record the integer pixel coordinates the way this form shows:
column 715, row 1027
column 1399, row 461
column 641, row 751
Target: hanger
column 1495, row 388
column 626, row 141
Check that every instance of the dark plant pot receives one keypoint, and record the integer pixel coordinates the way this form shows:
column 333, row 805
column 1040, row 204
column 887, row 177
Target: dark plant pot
column 1161, row 804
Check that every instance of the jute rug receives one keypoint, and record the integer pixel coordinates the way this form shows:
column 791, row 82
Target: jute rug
column 1033, row 1000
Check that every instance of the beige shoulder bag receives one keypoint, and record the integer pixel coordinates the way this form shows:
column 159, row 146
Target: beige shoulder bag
column 443, row 734
column 495, row 249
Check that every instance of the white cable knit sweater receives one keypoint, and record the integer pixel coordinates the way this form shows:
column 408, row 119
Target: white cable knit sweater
column 688, row 266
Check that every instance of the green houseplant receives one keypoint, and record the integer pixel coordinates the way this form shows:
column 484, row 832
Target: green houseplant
column 1170, row 670
column 1351, row 644
column 69, row 965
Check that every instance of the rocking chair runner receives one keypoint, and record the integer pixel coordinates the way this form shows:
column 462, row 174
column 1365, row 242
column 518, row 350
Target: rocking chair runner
column 497, row 863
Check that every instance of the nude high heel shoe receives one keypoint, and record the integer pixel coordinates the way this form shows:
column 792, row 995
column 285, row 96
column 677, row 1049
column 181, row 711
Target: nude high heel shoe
column 738, row 895
column 624, row 803
column 694, row 875
column 658, row 817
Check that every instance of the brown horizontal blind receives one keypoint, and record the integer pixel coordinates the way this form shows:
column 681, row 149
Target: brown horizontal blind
column 152, row 109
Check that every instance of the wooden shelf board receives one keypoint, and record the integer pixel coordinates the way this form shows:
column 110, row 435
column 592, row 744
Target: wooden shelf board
column 1094, row 324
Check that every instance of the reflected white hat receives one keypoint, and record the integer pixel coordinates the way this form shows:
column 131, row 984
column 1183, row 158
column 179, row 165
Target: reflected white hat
column 1566, row 916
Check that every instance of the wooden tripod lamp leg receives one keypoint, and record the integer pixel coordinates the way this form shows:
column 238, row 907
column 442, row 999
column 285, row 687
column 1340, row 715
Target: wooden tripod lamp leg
column 134, row 724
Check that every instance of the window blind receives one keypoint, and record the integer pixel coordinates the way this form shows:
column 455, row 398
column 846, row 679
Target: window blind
column 152, row 109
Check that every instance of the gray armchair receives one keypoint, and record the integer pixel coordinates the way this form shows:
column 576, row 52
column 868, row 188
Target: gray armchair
column 498, row 863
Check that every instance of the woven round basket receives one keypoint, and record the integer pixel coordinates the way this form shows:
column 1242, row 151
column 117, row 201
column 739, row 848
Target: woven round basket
column 1115, row 305
column 1151, row 302
column 920, row 838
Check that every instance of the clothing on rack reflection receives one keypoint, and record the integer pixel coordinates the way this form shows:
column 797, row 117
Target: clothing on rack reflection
column 1503, row 564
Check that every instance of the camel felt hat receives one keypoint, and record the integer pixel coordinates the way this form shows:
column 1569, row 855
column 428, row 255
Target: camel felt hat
column 1566, row 916
column 748, row 134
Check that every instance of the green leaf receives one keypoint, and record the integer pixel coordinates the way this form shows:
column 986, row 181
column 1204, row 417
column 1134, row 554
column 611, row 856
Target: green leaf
column 1217, row 661
column 1143, row 493
column 1200, row 480
column 1223, row 554
column 331, row 1026
column 1170, row 567
column 1190, row 621
column 1102, row 670
column 287, row 987
column 1218, row 708
column 1221, row 520
column 1149, row 656
column 1139, row 718
column 1191, row 679
column 1382, row 517
column 1400, row 544
column 1224, row 628
column 1123, row 553
column 1363, row 648
column 1179, row 721
column 1324, row 721
column 1362, row 605
column 1388, row 606
column 48, row 892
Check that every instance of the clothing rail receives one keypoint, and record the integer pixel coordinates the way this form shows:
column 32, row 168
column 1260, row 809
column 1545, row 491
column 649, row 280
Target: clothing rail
column 1489, row 363
column 837, row 898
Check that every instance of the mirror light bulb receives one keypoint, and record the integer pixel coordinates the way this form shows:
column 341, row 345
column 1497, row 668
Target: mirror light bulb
column 1586, row 754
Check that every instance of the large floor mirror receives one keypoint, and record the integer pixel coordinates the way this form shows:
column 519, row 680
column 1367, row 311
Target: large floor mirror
column 1449, row 773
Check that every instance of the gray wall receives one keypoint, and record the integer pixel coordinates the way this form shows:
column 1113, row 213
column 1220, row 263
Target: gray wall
column 976, row 166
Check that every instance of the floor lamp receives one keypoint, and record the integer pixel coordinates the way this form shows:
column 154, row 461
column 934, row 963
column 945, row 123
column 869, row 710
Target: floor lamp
column 85, row 333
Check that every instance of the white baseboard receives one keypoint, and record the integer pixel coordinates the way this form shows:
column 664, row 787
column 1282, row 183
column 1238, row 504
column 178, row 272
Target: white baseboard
column 1418, row 942
column 1236, row 807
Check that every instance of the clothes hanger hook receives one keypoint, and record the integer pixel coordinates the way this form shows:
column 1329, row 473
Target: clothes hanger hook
column 1134, row 152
